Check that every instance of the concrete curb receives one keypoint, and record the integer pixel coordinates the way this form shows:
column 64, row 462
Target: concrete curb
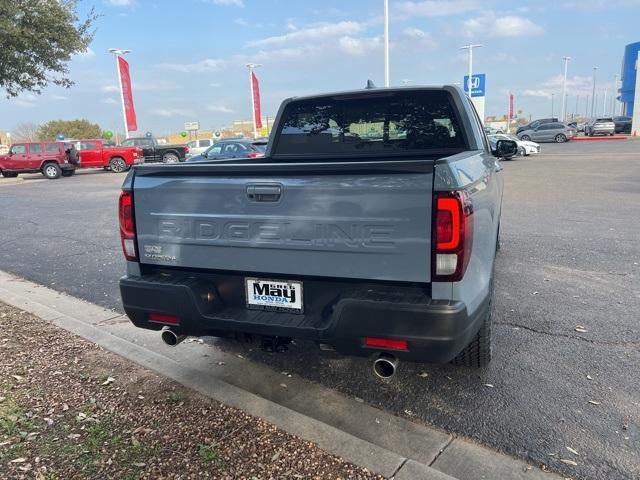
column 429, row 454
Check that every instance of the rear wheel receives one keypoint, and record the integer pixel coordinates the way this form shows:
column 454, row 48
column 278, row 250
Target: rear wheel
column 170, row 157
column 478, row 352
column 118, row 165
column 51, row 171
column 561, row 138
column 526, row 138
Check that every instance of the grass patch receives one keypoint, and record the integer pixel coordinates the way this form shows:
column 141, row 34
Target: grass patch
column 209, row 453
column 174, row 398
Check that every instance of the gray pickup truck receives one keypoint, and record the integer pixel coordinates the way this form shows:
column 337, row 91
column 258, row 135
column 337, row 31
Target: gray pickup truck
column 370, row 227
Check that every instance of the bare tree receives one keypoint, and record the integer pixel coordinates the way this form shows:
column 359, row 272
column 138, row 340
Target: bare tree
column 26, row 132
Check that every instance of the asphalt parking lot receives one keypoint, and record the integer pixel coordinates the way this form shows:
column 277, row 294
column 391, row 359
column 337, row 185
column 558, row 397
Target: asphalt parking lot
column 570, row 259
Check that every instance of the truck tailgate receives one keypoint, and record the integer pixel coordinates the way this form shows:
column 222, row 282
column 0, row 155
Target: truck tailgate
column 299, row 221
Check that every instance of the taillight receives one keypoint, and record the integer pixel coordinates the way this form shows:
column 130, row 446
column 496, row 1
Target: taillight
column 453, row 235
column 127, row 226
column 255, row 155
column 186, row 149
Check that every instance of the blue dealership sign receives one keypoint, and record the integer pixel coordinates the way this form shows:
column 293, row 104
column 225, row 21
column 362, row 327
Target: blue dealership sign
column 477, row 84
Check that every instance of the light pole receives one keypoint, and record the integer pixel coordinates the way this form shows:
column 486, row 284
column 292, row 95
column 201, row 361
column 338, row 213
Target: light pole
column 613, row 97
column 593, row 92
column 252, row 67
column 564, row 87
column 386, row 43
column 470, row 47
column 552, row 97
column 117, row 53
column 577, row 100
column 604, row 103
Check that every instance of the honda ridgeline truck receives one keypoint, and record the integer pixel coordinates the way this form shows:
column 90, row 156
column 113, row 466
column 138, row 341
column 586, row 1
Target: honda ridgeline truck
column 370, row 227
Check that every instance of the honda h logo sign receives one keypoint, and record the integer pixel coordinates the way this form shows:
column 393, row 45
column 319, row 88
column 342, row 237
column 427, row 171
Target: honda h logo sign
column 477, row 84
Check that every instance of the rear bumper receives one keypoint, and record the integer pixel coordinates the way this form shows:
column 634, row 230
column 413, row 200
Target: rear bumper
column 336, row 314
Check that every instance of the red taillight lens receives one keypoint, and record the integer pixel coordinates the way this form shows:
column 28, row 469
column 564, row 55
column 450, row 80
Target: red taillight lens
column 453, row 235
column 386, row 343
column 186, row 149
column 255, row 155
column 127, row 226
column 162, row 318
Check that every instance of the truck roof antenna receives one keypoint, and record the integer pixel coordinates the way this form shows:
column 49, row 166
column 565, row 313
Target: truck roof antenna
column 370, row 85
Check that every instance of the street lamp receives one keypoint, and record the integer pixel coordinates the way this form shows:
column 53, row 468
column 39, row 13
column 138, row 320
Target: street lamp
column 593, row 92
column 604, row 103
column 613, row 97
column 386, row 43
column 470, row 47
column 119, row 52
column 564, row 87
column 252, row 67
column 552, row 97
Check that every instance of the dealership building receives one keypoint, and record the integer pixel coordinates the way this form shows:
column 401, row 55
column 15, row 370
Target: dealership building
column 629, row 73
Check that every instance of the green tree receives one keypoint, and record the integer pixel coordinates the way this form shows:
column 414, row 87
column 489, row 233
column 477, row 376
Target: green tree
column 70, row 129
column 37, row 40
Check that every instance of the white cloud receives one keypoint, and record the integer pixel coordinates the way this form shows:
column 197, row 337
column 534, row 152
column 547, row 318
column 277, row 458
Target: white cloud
column 120, row 3
column 215, row 85
column 537, row 93
column 313, row 32
column 172, row 112
column 419, row 37
column 490, row 25
column 241, row 21
column 26, row 100
column 229, row 3
column 438, row 8
column 359, row 46
column 278, row 54
column 59, row 97
column 110, row 89
column 109, row 101
column 207, row 65
column 219, row 108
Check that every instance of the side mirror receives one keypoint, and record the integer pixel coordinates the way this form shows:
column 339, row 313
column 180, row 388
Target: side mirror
column 505, row 149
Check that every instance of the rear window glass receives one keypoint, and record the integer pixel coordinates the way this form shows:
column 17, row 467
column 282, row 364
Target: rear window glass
column 372, row 123
column 51, row 147
column 604, row 120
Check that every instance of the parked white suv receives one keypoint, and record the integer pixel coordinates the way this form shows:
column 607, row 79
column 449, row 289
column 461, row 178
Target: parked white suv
column 196, row 147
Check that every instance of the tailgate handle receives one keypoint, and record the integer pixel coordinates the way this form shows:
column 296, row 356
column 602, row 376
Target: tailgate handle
column 264, row 193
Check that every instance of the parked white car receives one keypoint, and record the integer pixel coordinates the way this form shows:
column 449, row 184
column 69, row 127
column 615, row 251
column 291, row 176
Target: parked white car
column 525, row 147
column 197, row 147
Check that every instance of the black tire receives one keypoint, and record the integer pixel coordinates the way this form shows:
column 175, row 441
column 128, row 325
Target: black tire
column 51, row 171
column 526, row 138
column 478, row 353
column 68, row 173
column 170, row 157
column 118, row 165
column 9, row 174
column 561, row 138
column 611, row 134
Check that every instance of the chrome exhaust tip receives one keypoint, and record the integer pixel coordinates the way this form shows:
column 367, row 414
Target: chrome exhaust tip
column 385, row 365
column 171, row 338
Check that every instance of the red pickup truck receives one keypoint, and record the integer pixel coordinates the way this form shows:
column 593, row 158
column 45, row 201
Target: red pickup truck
column 49, row 158
column 96, row 153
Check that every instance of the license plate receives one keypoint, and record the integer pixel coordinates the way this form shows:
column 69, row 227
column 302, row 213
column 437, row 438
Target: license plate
column 276, row 295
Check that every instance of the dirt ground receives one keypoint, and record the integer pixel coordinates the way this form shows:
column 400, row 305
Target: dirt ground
column 71, row 410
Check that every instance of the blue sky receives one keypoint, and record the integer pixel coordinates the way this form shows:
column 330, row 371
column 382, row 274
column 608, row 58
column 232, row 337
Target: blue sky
column 188, row 56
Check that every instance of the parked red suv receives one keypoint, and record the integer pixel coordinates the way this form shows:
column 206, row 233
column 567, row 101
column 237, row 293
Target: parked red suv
column 49, row 158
